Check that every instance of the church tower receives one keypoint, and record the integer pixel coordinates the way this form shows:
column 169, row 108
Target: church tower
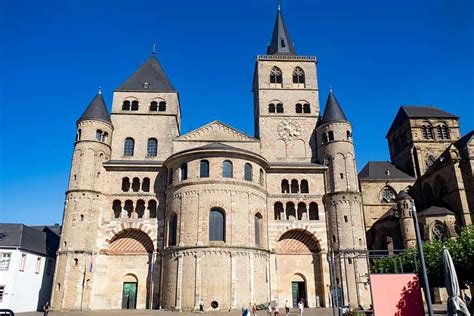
column 286, row 102
column 85, row 201
column 343, row 203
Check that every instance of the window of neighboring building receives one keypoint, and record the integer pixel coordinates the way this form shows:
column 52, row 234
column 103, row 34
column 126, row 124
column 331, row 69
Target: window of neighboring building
column 128, row 147
column 134, row 106
column 279, row 108
column 285, row 186
column 204, row 169
column 227, row 169
column 153, row 106
column 294, row 186
column 313, row 211
column 152, row 147
column 2, row 290
column 298, row 77
column 348, row 135
column 146, row 185
column 136, row 184
column 276, row 78
column 248, row 172
column 125, row 184
column 439, row 231
column 262, row 177
column 299, row 108
column 5, row 261
column 330, row 136
column 78, row 135
column 98, row 135
column 38, row 265
column 117, row 208
column 427, row 131
column 304, row 186
column 216, row 225
column 443, row 131
column 126, row 105
column 271, row 108
column 23, row 262
column 152, row 208
column 162, row 106
column 306, row 108
column 183, row 171
column 388, row 195
column 173, row 230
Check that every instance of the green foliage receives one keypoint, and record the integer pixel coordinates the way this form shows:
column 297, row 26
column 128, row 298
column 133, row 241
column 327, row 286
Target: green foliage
column 460, row 248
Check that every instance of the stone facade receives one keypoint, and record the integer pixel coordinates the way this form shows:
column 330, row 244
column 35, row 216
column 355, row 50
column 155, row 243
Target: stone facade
column 154, row 218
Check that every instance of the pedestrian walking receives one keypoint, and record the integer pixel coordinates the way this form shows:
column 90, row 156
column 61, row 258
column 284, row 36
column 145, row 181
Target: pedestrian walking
column 201, row 306
column 287, row 308
column 46, row 309
column 269, row 309
column 245, row 311
column 254, row 309
column 301, row 307
column 277, row 309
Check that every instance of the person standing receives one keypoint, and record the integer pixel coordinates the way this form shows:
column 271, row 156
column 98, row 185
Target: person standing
column 46, row 309
column 277, row 309
column 254, row 309
column 269, row 309
column 287, row 308
column 300, row 307
column 201, row 306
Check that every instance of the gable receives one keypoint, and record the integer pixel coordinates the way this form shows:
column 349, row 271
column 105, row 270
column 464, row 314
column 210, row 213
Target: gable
column 216, row 131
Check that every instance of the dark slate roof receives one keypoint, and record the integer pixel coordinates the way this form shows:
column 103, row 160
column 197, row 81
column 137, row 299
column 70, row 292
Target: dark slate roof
column 409, row 111
column 96, row 110
column 151, row 72
column 435, row 211
column 377, row 170
column 41, row 241
column 281, row 43
column 402, row 195
column 332, row 111
column 463, row 141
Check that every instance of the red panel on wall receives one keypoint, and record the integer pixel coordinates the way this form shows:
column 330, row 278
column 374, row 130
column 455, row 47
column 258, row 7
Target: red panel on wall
column 396, row 294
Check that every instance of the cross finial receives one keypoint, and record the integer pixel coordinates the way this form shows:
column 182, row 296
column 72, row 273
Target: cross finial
column 278, row 5
column 330, row 89
column 100, row 90
column 153, row 50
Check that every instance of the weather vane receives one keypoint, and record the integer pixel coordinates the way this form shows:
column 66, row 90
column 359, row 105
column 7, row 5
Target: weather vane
column 153, row 51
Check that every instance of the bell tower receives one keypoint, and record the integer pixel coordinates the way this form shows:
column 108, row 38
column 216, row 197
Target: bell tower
column 286, row 103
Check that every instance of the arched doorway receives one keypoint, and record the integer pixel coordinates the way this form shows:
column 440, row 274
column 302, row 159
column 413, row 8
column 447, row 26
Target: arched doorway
column 129, row 292
column 134, row 247
column 299, row 268
column 298, row 290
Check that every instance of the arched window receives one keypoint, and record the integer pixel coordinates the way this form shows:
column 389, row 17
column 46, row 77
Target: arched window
column 135, row 184
column 262, row 177
column 443, row 131
column 98, row 135
column 330, row 136
column 299, row 108
column 126, row 105
column 290, row 211
column 104, row 136
column 313, row 212
column 438, row 231
column 427, row 131
column 306, row 108
column 128, row 208
column 152, row 147
column 162, row 106
column 183, row 170
column 117, row 208
column 125, row 184
column 140, row 208
column 348, row 135
column 304, row 186
column 146, row 185
column 276, row 76
column 345, row 219
column 294, row 186
column 134, row 105
column 298, row 77
column 216, row 225
column 285, row 186
column 128, row 146
column 324, row 138
column 440, row 186
column 258, row 229
column 302, row 211
column 388, row 195
column 172, row 230
column 78, row 135
column 430, row 160
column 204, row 169
column 279, row 212
column 154, row 106
column 279, row 108
column 248, row 172
column 227, row 169
column 152, row 208
column 271, row 108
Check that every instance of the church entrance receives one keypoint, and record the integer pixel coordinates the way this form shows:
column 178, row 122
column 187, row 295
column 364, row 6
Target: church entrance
column 129, row 295
column 298, row 290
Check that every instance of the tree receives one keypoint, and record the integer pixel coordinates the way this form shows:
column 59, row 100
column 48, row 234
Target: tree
column 460, row 248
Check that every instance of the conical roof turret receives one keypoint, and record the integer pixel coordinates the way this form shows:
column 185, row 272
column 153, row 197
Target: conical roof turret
column 150, row 77
column 332, row 111
column 281, row 43
column 96, row 110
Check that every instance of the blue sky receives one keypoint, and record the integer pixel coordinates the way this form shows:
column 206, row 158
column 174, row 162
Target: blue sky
column 377, row 55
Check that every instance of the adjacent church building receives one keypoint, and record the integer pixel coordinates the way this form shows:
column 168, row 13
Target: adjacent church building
column 156, row 218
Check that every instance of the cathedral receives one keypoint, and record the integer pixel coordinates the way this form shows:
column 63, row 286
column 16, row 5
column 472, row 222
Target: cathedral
column 158, row 219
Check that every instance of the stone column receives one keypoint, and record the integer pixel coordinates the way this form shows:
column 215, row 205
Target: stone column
column 233, row 280
column 251, row 277
column 197, row 284
column 179, row 281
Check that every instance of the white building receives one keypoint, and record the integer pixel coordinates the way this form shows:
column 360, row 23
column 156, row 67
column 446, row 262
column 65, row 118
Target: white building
column 27, row 258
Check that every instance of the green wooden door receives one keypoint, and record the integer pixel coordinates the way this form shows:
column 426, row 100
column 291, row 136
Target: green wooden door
column 129, row 295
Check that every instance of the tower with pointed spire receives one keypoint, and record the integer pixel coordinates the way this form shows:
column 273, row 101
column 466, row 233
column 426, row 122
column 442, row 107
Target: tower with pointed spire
column 286, row 102
column 85, row 199
column 343, row 202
